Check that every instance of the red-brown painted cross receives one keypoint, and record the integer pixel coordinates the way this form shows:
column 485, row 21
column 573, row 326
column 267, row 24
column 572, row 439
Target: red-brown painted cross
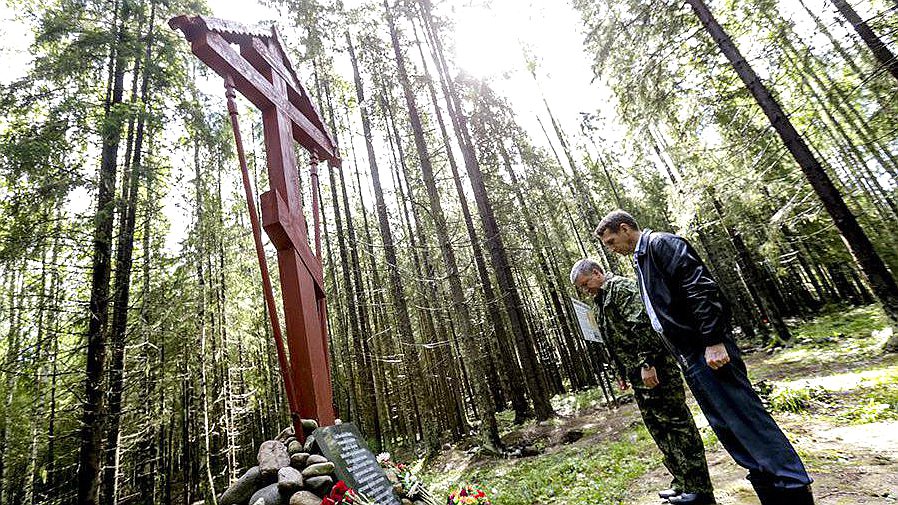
column 262, row 73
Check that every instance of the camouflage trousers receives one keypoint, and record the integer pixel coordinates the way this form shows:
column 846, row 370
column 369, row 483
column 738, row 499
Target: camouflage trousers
column 670, row 423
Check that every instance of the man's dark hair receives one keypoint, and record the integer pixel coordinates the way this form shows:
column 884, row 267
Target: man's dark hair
column 613, row 220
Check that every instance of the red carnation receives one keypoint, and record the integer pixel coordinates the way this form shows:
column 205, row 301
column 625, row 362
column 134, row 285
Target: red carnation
column 339, row 488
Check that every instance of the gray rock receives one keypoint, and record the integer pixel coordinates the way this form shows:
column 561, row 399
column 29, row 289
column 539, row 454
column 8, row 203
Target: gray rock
column 268, row 495
column 299, row 460
column 289, row 441
column 305, row 498
column 240, row 491
column 315, row 459
column 285, row 434
column 294, row 446
column 309, row 425
column 320, row 485
column 272, row 457
column 289, row 480
column 318, row 470
column 310, row 447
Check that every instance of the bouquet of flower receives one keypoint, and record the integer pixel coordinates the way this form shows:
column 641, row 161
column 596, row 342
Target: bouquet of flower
column 468, row 495
column 412, row 487
column 341, row 494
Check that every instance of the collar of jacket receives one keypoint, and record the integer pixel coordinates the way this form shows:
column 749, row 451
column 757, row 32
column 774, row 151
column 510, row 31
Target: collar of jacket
column 643, row 244
column 604, row 294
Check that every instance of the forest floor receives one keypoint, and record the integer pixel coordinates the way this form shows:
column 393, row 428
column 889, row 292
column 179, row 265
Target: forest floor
column 833, row 391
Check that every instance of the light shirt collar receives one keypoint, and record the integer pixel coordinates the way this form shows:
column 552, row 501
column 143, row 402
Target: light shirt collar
column 642, row 244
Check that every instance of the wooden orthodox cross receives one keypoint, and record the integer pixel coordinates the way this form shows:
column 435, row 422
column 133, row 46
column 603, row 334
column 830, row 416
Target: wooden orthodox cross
column 261, row 72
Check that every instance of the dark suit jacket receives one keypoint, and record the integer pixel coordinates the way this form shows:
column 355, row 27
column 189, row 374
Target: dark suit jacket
column 687, row 300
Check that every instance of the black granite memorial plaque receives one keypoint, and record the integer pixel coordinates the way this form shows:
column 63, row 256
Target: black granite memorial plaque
column 355, row 464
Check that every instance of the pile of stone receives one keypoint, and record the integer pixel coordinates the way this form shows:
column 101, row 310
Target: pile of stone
column 289, row 473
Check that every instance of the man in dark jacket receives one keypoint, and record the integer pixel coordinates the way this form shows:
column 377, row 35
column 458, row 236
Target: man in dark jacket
column 686, row 307
column 640, row 359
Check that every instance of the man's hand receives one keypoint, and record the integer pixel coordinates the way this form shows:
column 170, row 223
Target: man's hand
column 650, row 377
column 622, row 384
column 716, row 356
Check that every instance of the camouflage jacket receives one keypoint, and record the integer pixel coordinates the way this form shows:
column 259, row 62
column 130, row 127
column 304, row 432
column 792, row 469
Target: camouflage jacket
column 621, row 317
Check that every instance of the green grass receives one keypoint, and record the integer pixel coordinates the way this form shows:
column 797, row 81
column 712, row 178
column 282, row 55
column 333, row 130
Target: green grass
column 832, row 328
column 831, row 387
column 833, row 340
column 872, row 405
column 784, row 399
column 579, row 402
column 833, row 370
column 577, row 474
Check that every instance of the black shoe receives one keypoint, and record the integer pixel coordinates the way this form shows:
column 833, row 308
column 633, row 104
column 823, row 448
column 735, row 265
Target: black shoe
column 668, row 493
column 693, row 499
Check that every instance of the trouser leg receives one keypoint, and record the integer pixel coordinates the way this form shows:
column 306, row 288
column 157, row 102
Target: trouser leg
column 743, row 426
column 670, row 423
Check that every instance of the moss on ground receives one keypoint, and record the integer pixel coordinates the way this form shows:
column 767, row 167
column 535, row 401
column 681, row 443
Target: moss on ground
column 597, row 472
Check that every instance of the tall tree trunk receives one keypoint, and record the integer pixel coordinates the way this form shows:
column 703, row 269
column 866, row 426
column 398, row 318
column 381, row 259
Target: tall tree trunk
column 580, row 377
column 351, row 306
column 93, row 408
column 883, row 55
column 427, row 270
column 504, row 277
column 203, row 275
column 881, row 280
column 123, row 262
column 759, row 284
column 588, row 208
column 340, row 331
column 364, row 379
column 512, row 368
column 13, row 345
column 380, row 319
column 433, row 314
column 840, row 49
column 39, row 378
column 406, row 336
column 474, row 358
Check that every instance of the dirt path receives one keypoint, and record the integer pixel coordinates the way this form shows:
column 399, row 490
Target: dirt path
column 851, row 462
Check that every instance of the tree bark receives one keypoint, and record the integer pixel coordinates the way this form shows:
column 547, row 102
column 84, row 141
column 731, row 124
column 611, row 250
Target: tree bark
column 759, row 284
column 489, row 429
column 123, row 263
column 364, row 378
column 13, row 347
column 883, row 55
column 504, row 277
column 512, row 368
column 459, row 374
column 94, row 408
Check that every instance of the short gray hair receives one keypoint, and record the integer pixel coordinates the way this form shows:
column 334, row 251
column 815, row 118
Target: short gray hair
column 584, row 266
column 613, row 220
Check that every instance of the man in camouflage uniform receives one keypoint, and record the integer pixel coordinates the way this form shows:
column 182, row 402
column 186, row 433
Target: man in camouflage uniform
column 641, row 359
